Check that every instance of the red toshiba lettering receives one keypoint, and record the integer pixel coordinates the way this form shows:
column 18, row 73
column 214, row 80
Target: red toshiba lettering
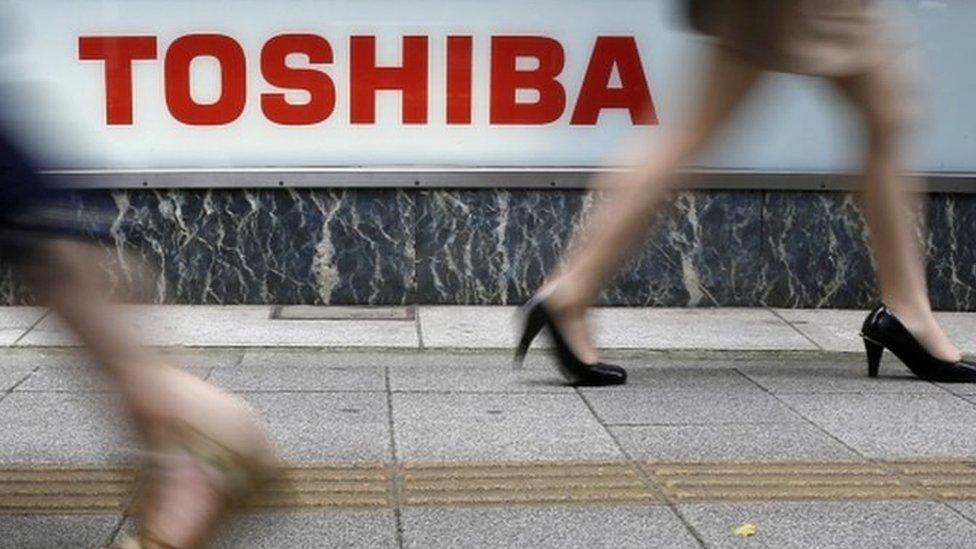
column 633, row 93
column 459, row 79
column 321, row 89
column 233, row 89
column 367, row 79
column 118, row 53
column 507, row 80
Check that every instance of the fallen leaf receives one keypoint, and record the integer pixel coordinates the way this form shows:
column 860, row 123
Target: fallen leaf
column 746, row 530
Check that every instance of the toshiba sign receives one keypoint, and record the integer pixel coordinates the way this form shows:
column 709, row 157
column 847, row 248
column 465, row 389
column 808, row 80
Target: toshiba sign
column 367, row 77
column 176, row 86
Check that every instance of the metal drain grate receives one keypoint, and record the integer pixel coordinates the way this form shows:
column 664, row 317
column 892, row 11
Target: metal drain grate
column 311, row 312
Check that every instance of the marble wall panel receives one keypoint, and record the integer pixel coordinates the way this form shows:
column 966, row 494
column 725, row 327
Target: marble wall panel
column 490, row 246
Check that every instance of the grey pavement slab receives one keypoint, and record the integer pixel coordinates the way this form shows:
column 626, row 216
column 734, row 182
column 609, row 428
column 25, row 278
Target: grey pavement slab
column 15, row 357
column 10, row 377
column 682, row 377
column 343, row 427
column 687, row 407
column 830, row 329
column 82, row 378
column 202, row 357
column 717, row 329
column 239, row 326
column 484, row 427
column 545, row 527
column 350, row 529
column 62, row 427
column 345, row 529
column 48, row 531
column 967, row 508
column 492, row 379
column 500, row 359
column 962, row 389
column 299, row 377
column 838, row 330
column 736, row 441
column 469, row 327
column 16, row 321
column 893, row 425
column 834, row 525
column 621, row 328
column 833, row 376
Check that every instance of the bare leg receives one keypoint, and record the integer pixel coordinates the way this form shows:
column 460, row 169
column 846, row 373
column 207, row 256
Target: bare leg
column 158, row 395
column 620, row 223
column 886, row 204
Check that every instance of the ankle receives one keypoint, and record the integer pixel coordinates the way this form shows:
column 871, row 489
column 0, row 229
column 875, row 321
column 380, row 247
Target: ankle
column 565, row 297
column 565, row 300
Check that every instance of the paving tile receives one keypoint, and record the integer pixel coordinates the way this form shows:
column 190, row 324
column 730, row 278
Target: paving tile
column 10, row 376
column 714, row 329
column 349, row 529
column 240, row 326
column 833, row 376
column 687, row 407
column 482, row 427
column 545, row 527
column 47, row 531
column 621, row 328
column 344, row 427
column 892, row 425
column 299, row 377
column 967, row 508
column 83, row 378
column 62, row 427
column 16, row 321
column 961, row 329
column 779, row 441
column 838, row 330
column 854, row 525
column 830, row 329
column 378, row 358
column 16, row 357
column 962, row 389
column 680, row 378
column 498, row 378
column 471, row 327
column 202, row 357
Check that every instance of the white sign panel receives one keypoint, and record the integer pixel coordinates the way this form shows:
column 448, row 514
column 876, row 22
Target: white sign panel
column 237, row 84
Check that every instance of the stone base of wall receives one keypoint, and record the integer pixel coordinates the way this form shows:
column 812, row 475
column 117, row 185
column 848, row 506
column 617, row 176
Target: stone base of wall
column 325, row 246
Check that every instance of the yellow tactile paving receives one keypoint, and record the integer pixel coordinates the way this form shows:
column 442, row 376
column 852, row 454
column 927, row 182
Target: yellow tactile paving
column 107, row 488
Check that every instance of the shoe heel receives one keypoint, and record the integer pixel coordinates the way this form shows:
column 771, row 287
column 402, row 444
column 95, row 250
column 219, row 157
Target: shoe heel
column 534, row 322
column 874, row 352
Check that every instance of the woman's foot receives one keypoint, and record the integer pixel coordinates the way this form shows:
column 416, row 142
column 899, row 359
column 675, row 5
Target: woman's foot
column 882, row 330
column 199, row 468
column 577, row 371
column 569, row 314
column 923, row 325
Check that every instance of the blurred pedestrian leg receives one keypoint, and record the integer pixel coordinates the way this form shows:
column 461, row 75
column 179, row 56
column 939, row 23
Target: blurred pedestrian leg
column 205, row 449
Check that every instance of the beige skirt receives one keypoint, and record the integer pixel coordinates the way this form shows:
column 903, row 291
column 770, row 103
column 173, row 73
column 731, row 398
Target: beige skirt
column 814, row 37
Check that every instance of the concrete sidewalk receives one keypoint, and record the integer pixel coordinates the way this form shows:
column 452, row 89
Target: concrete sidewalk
column 748, row 416
column 450, row 328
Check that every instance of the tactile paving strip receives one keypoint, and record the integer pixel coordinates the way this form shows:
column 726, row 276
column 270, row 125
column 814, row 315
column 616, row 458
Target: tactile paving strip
column 62, row 489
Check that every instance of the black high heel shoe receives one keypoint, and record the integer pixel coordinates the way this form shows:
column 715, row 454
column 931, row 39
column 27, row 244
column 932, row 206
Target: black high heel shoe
column 882, row 330
column 577, row 372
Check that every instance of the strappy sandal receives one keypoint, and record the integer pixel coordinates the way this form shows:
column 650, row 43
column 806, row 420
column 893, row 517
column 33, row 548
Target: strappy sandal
column 237, row 477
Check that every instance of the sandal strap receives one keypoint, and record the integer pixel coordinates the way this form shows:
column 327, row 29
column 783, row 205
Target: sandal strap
column 239, row 476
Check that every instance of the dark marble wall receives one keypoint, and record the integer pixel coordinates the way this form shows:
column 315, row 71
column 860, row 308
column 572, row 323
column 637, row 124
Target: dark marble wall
column 327, row 246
